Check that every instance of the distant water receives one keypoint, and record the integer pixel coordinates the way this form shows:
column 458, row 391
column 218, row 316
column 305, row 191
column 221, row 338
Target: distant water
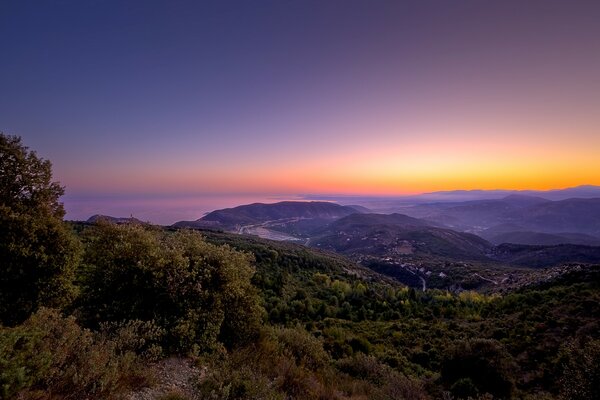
column 162, row 210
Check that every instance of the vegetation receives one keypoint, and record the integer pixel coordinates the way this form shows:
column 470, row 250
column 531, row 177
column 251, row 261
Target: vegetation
column 198, row 292
column 87, row 308
column 38, row 253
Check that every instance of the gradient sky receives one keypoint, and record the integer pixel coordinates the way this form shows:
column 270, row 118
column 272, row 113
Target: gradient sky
column 287, row 97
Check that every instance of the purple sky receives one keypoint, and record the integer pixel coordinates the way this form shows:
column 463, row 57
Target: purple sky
column 172, row 98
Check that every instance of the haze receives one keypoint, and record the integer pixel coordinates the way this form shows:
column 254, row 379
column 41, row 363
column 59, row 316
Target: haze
column 164, row 101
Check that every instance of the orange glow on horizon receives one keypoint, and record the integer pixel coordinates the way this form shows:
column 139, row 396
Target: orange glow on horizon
column 393, row 164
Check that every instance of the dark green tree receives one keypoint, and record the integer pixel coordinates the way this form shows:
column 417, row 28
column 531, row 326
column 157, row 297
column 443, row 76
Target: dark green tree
column 38, row 253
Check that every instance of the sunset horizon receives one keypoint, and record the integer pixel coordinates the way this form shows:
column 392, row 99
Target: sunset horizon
column 345, row 98
column 300, row 199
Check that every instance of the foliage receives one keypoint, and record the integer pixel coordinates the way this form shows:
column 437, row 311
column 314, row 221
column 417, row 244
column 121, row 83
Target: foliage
column 277, row 368
column 38, row 253
column 479, row 366
column 198, row 292
column 581, row 365
column 49, row 355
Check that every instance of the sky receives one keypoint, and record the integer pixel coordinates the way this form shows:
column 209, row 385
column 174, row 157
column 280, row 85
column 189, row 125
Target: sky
column 155, row 99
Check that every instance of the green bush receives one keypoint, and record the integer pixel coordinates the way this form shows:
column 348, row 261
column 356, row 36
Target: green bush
column 301, row 346
column 52, row 355
column 199, row 293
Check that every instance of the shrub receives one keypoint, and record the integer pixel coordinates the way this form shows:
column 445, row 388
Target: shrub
column 51, row 355
column 199, row 293
column 303, row 347
column 481, row 364
column 581, row 371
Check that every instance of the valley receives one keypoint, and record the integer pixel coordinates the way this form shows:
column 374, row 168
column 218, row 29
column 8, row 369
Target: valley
column 424, row 250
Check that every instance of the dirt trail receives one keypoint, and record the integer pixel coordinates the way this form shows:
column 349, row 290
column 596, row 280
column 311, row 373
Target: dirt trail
column 175, row 376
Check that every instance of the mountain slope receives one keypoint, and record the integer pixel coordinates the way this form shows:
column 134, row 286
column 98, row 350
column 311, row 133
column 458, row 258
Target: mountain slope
column 545, row 256
column 540, row 238
column 571, row 215
column 517, row 214
column 476, row 214
column 258, row 213
column 397, row 234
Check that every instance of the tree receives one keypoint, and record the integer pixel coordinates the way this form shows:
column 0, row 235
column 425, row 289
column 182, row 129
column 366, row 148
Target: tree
column 38, row 253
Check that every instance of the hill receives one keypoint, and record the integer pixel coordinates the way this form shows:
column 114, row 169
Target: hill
column 570, row 215
column 397, row 234
column 115, row 220
column 234, row 219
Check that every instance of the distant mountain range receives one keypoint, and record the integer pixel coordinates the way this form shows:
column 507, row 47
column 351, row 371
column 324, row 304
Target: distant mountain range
column 518, row 228
column 522, row 217
column 583, row 191
column 515, row 218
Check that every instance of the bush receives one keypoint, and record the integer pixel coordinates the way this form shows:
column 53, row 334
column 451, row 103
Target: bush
column 301, row 346
column 365, row 367
column 51, row 355
column 581, row 371
column 199, row 293
column 480, row 365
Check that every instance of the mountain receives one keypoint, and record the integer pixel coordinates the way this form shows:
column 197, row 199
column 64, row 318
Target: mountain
column 476, row 215
column 235, row 219
column 583, row 191
column 397, row 235
column 400, row 240
column 517, row 214
column 399, row 204
column 570, row 215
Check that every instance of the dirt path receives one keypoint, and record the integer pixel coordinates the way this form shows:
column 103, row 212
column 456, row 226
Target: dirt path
column 175, row 376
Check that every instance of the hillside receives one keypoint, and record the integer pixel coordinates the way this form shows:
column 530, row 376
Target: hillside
column 296, row 323
column 571, row 215
column 397, row 234
column 539, row 238
column 545, row 256
column 515, row 214
column 233, row 219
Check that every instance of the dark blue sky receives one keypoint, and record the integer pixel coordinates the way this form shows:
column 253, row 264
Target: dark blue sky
column 300, row 96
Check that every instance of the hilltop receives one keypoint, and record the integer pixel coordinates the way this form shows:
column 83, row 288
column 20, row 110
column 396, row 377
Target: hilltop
column 233, row 219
